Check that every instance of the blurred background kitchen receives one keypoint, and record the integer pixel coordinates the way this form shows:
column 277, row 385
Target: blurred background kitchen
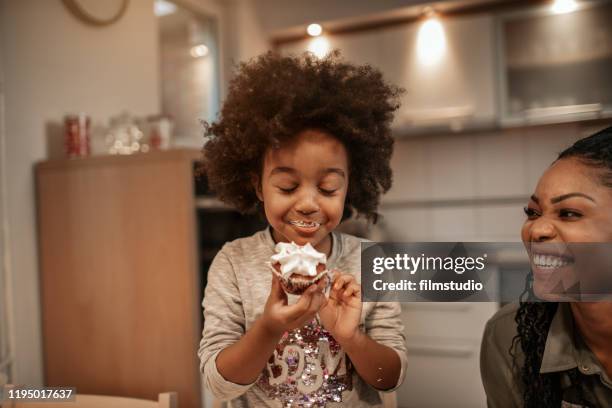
column 106, row 237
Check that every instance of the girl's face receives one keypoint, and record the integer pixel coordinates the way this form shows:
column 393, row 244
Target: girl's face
column 303, row 188
column 570, row 205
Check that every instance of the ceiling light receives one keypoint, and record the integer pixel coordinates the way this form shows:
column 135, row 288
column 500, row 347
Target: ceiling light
column 163, row 8
column 199, row 51
column 314, row 30
column 431, row 41
column 564, row 6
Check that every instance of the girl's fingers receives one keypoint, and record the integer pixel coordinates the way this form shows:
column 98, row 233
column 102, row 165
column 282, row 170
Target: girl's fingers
column 276, row 290
column 316, row 302
column 342, row 280
column 322, row 284
column 295, row 311
column 353, row 289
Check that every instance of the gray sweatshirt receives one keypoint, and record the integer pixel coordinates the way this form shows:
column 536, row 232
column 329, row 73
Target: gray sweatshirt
column 308, row 367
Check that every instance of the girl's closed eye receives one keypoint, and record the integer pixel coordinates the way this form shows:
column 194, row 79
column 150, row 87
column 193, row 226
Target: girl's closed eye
column 287, row 189
column 328, row 191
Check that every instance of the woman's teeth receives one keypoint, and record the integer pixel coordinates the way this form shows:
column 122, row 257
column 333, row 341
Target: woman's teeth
column 304, row 224
column 550, row 261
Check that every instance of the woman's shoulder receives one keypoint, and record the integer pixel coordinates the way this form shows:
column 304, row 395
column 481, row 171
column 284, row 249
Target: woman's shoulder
column 498, row 368
column 502, row 324
column 499, row 334
column 505, row 315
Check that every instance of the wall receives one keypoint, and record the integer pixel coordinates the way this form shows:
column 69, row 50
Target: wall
column 244, row 33
column 54, row 64
column 4, row 339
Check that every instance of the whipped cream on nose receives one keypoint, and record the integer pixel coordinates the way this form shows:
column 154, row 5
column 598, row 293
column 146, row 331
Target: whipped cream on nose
column 302, row 260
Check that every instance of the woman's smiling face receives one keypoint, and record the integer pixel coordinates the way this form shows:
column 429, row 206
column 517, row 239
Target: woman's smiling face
column 570, row 205
column 303, row 187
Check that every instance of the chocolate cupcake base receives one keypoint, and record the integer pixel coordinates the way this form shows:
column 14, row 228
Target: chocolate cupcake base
column 299, row 284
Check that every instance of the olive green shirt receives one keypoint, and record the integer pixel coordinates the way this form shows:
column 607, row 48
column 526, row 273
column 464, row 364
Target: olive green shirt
column 565, row 350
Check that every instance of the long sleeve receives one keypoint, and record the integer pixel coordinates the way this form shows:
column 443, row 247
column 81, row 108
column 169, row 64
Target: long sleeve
column 384, row 325
column 496, row 364
column 224, row 324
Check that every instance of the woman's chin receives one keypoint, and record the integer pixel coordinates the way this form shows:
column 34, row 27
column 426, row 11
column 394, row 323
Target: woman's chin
column 549, row 291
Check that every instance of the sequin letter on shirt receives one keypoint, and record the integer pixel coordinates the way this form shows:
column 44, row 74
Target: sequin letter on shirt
column 308, row 369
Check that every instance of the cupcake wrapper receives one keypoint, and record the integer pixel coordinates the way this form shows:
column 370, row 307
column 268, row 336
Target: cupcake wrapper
column 294, row 286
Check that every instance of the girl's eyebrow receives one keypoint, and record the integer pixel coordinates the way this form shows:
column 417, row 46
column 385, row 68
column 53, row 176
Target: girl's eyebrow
column 335, row 170
column 283, row 170
column 291, row 170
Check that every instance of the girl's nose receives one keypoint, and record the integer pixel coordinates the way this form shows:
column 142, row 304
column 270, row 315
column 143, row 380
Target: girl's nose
column 307, row 204
column 542, row 230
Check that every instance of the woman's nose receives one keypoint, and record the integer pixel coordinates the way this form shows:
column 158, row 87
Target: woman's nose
column 542, row 230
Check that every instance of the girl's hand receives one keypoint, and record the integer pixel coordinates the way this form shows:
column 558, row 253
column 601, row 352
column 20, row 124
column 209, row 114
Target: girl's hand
column 279, row 317
column 342, row 312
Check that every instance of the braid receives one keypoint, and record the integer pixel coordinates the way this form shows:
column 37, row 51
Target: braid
column 533, row 322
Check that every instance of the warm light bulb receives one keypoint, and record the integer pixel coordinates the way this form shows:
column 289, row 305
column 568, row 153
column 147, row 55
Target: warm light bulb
column 319, row 46
column 163, row 8
column 431, row 42
column 564, row 6
column 199, row 51
column 314, row 30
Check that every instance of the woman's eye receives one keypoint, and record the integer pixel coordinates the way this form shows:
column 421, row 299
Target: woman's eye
column 569, row 214
column 530, row 212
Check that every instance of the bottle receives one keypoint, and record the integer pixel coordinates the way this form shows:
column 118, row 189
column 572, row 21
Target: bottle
column 76, row 135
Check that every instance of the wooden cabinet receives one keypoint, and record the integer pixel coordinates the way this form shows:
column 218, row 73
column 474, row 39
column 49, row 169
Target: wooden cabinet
column 120, row 285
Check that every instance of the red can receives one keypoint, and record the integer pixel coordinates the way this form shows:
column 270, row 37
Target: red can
column 76, row 135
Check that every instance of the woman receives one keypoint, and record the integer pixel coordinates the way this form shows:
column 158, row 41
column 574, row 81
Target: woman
column 557, row 354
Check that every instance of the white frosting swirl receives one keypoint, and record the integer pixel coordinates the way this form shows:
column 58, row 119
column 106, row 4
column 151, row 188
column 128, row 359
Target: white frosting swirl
column 293, row 258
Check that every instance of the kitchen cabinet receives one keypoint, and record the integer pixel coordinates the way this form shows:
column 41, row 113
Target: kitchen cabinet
column 457, row 92
column 120, row 288
column 556, row 67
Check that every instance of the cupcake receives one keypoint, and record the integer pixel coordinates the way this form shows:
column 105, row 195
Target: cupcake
column 297, row 267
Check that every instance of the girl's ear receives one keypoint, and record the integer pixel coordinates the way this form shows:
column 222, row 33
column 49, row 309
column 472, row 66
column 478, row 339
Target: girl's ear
column 256, row 182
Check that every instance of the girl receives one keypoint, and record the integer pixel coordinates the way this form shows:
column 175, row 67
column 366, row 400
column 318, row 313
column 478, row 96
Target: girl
column 305, row 142
column 557, row 354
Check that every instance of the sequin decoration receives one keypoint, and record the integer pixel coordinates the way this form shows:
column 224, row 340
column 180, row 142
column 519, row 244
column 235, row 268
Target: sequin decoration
column 308, row 369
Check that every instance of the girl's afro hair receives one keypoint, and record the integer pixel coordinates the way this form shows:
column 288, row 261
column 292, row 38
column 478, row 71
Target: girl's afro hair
column 272, row 98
